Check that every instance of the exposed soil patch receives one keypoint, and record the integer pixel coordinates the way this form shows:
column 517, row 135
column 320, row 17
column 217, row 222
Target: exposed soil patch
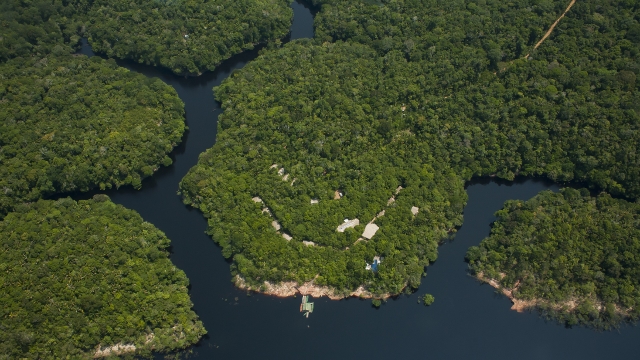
column 291, row 288
column 522, row 305
column 114, row 350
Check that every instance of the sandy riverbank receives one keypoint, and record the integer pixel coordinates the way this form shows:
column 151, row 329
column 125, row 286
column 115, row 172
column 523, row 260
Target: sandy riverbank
column 114, row 350
column 568, row 305
column 291, row 288
column 518, row 305
column 521, row 305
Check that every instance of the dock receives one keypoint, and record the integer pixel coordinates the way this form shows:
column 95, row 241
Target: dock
column 306, row 306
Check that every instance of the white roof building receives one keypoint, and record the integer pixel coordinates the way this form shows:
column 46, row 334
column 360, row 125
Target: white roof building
column 370, row 230
column 347, row 224
column 276, row 225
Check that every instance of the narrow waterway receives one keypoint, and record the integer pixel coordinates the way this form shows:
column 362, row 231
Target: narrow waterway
column 467, row 320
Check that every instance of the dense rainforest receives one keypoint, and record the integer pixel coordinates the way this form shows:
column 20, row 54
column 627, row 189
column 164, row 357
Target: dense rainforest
column 317, row 112
column 79, row 276
column 70, row 123
column 87, row 279
column 572, row 255
column 188, row 37
column 421, row 96
column 73, row 123
column 569, row 111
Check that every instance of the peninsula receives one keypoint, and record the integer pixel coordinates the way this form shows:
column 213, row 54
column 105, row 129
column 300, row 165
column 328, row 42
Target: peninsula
column 570, row 255
column 422, row 97
column 89, row 279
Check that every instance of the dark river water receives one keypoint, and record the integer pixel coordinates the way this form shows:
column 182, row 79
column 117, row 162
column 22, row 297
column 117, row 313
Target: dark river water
column 467, row 321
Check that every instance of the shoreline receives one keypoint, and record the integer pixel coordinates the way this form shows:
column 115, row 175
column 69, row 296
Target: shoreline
column 522, row 305
column 291, row 288
column 518, row 305
column 114, row 350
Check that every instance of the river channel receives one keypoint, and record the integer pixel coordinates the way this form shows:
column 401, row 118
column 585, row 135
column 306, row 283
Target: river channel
column 467, row 321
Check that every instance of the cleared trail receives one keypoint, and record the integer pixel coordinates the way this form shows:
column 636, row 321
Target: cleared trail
column 553, row 26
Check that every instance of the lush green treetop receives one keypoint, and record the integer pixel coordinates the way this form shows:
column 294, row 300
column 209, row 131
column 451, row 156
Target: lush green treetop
column 186, row 36
column 499, row 30
column 574, row 255
column 329, row 115
column 78, row 275
column 577, row 90
column 364, row 118
column 71, row 123
column 37, row 28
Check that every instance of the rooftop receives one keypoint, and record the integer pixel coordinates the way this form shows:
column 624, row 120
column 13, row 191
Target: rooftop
column 370, row 230
column 347, row 224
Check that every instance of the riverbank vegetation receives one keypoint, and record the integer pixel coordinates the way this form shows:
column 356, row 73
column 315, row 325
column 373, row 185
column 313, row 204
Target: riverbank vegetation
column 73, row 123
column 571, row 255
column 319, row 114
column 419, row 96
column 188, row 37
column 70, row 123
column 81, row 276
column 87, row 279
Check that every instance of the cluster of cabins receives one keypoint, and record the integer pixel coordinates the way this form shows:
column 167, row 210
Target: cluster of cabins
column 369, row 231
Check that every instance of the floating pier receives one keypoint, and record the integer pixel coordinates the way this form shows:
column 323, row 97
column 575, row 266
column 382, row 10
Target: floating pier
column 306, row 306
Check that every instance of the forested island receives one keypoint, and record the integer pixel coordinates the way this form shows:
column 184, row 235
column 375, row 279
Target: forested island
column 72, row 124
column 573, row 256
column 89, row 279
column 385, row 115
column 84, row 279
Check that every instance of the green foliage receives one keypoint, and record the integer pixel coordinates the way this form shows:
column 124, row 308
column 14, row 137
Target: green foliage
column 575, row 255
column 376, row 303
column 186, row 36
column 423, row 96
column 427, row 299
column 570, row 113
column 78, row 275
column 426, row 29
column 73, row 123
column 36, row 28
column 315, row 111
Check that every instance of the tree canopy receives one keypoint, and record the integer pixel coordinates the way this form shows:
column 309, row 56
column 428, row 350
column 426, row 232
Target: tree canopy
column 73, row 123
column 574, row 256
column 70, row 123
column 37, row 28
column 90, row 278
column 76, row 276
column 399, row 93
column 186, row 36
column 321, row 113
column 577, row 90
